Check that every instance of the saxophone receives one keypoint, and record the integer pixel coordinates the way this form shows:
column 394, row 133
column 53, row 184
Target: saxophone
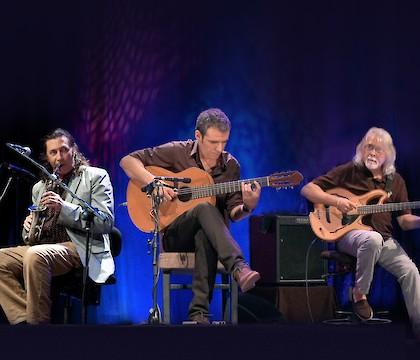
column 39, row 214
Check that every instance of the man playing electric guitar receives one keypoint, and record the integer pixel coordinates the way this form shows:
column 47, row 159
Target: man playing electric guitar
column 204, row 228
column 372, row 168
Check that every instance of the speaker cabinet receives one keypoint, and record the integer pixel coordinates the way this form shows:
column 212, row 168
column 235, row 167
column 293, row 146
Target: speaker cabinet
column 279, row 246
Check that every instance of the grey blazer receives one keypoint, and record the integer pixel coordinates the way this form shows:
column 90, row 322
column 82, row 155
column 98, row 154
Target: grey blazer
column 94, row 186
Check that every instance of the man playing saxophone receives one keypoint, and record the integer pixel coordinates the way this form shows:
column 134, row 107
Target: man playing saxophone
column 41, row 217
column 57, row 246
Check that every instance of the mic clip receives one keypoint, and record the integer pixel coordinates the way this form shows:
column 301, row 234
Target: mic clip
column 150, row 187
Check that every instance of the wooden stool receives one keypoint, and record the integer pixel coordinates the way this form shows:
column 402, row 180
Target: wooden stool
column 183, row 263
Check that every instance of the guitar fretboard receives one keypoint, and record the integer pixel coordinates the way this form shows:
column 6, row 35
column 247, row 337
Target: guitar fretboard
column 220, row 188
column 378, row 208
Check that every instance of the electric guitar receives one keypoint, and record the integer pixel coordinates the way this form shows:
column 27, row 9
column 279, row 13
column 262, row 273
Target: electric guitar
column 329, row 223
column 201, row 189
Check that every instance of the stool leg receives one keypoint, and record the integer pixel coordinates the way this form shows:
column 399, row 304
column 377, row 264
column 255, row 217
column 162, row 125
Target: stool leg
column 67, row 308
column 234, row 300
column 226, row 297
column 166, row 297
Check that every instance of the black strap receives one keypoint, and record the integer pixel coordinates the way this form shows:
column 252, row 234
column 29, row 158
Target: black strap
column 388, row 184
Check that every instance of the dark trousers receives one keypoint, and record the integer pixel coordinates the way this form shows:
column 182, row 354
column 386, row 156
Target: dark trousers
column 202, row 230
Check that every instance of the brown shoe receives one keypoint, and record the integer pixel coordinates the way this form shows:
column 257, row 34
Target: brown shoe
column 245, row 277
column 200, row 318
column 362, row 309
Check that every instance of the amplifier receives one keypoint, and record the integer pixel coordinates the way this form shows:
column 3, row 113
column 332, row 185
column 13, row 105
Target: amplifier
column 278, row 249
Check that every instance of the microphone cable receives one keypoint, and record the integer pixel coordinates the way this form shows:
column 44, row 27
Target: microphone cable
column 308, row 303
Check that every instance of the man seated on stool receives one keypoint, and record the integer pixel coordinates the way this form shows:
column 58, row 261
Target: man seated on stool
column 372, row 168
column 204, row 228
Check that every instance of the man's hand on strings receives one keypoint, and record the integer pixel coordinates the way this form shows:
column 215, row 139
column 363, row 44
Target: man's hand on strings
column 345, row 205
column 167, row 193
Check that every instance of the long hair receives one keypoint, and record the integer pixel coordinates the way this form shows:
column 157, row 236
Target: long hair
column 389, row 148
column 79, row 158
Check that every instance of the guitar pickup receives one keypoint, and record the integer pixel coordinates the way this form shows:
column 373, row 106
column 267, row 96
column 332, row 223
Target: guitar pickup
column 327, row 214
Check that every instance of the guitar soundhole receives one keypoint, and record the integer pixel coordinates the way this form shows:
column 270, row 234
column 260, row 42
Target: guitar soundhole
column 184, row 194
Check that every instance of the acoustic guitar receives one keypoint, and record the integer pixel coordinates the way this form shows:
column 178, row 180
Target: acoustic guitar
column 201, row 189
column 329, row 223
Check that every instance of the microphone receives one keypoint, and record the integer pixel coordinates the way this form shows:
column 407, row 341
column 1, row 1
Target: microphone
column 22, row 149
column 173, row 179
column 17, row 170
column 148, row 188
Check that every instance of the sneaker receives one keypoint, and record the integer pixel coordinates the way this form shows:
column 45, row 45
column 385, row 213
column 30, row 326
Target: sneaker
column 245, row 277
column 199, row 318
column 362, row 309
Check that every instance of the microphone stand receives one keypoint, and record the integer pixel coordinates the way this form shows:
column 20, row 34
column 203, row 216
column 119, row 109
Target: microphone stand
column 16, row 175
column 154, row 190
column 88, row 214
column 3, row 193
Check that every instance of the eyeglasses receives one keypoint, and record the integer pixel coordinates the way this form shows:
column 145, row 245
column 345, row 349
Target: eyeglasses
column 371, row 147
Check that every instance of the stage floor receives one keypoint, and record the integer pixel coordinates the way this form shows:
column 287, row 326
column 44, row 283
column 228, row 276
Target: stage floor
column 248, row 341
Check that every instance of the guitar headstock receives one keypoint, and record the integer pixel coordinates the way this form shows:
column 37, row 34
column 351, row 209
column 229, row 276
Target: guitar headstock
column 285, row 179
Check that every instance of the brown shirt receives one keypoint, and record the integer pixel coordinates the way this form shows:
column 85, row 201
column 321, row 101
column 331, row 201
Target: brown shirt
column 359, row 180
column 177, row 156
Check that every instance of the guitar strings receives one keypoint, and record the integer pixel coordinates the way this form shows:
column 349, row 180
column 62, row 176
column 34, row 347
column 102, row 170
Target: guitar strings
column 221, row 186
column 208, row 191
column 367, row 209
column 264, row 180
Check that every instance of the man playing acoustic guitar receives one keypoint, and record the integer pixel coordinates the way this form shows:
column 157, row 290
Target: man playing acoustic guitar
column 371, row 169
column 203, row 229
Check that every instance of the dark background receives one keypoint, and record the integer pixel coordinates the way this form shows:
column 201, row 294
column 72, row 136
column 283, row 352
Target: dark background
column 301, row 81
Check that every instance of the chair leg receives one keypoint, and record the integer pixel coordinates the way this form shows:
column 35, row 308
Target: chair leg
column 230, row 299
column 233, row 300
column 166, row 298
column 226, row 298
column 67, row 308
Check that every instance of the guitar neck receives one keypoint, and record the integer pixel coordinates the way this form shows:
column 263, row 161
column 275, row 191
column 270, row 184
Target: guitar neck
column 225, row 188
column 378, row 208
